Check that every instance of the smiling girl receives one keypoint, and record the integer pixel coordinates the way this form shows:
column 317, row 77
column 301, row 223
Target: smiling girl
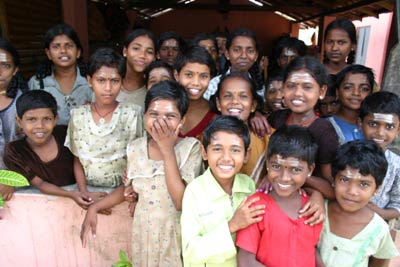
column 139, row 52
column 63, row 73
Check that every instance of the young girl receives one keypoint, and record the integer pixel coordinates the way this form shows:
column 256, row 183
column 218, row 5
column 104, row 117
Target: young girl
column 236, row 96
column 340, row 41
column 12, row 85
column 159, row 167
column 139, row 51
column 63, row 72
column 193, row 70
column 282, row 237
column 305, row 81
column 156, row 72
column 99, row 133
column 353, row 234
column 242, row 53
column 354, row 84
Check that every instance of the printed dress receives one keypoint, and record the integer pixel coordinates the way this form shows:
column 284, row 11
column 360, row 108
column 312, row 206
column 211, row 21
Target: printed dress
column 156, row 230
column 101, row 148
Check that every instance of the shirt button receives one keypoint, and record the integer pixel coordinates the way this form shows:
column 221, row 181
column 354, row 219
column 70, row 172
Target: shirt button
column 153, row 187
column 151, row 202
column 335, row 248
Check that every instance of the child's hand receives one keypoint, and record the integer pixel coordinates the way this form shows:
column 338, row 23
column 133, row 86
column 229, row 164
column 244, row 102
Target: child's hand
column 314, row 208
column 246, row 215
column 164, row 135
column 6, row 191
column 89, row 223
column 129, row 194
column 95, row 196
column 260, row 125
column 265, row 186
column 81, row 199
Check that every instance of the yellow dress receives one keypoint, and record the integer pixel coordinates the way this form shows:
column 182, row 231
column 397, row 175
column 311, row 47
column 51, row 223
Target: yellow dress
column 256, row 165
column 156, row 230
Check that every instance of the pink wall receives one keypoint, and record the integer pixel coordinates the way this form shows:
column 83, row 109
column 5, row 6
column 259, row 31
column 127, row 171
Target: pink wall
column 39, row 230
column 266, row 25
column 377, row 45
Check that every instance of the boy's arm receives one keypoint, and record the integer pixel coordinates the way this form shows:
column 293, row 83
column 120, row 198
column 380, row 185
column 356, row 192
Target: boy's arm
column 90, row 221
column 326, row 171
column 322, row 185
column 247, row 259
column 51, row 189
column 386, row 214
column 374, row 262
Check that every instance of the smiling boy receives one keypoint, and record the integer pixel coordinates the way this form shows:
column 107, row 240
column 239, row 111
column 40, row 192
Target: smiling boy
column 379, row 120
column 213, row 209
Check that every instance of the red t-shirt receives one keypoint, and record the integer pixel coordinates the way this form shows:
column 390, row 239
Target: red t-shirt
column 279, row 240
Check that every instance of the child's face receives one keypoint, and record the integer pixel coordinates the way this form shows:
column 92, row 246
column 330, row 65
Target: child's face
column 381, row 128
column 235, row 99
column 169, row 50
column 328, row 106
column 209, row 45
column 157, row 75
column 195, row 77
column 353, row 89
column 162, row 109
column 242, row 53
column 338, row 45
column 63, row 52
column 353, row 190
column 286, row 57
column 225, row 155
column 106, row 83
column 273, row 95
column 37, row 125
column 7, row 69
column 139, row 53
column 301, row 92
column 287, row 175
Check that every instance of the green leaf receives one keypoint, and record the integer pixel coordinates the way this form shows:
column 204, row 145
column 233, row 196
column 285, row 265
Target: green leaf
column 11, row 178
column 122, row 256
column 1, row 201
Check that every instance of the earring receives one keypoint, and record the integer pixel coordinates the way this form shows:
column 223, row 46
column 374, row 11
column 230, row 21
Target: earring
column 321, row 97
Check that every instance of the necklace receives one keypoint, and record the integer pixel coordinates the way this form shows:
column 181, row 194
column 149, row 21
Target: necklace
column 305, row 123
column 102, row 119
column 3, row 92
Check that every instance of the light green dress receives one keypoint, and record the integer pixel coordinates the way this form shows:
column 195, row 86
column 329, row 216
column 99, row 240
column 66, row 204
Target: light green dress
column 101, row 148
column 156, row 230
column 374, row 240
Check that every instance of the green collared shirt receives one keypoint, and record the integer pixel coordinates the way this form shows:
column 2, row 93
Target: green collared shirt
column 206, row 210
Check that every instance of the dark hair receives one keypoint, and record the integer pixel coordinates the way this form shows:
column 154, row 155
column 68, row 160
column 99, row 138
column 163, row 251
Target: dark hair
column 168, row 90
column 293, row 141
column 195, row 54
column 355, row 69
column 137, row 33
column 380, row 102
column 309, row 64
column 254, row 69
column 155, row 65
column 204, row 36
column 276, row 76
column 331, row 85
column 17, row 81
column 171, row 35
column 106, row 57
column 227, row 124
column 347, row 26
column 35, row 99
column 290, row 43
column 243, row 76
column 365, row 156
column 45, row 69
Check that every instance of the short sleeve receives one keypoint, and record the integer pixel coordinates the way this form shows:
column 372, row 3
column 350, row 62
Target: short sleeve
column 15, row 161
column 70, row 136
column 249, row 238
column 192, row 164
column 387, row 248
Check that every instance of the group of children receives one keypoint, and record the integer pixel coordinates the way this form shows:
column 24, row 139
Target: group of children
column 188, row 149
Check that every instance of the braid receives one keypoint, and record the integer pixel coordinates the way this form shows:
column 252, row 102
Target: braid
column 351, row 57
column 44, row 69
column 17, row 83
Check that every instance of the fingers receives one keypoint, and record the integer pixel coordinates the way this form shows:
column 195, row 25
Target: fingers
column 316, row 218
column 266, row 126
column 84, row 233
column 106, row 211
column 317, row 215
column 131, row 208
